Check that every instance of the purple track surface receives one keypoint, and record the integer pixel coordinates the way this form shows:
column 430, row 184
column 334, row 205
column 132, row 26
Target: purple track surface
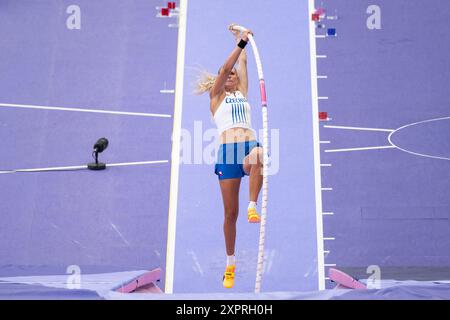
column 391, row 208
column 120, row 59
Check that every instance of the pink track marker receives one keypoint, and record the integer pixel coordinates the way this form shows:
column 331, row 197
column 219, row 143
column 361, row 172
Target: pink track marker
column 344, row 280
column 142, row 283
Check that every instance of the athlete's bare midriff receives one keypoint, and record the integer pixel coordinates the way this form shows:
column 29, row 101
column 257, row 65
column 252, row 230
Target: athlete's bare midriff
column 234, row 135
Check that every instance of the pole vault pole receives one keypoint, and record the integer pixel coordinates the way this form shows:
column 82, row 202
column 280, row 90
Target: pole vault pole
column 262, row 230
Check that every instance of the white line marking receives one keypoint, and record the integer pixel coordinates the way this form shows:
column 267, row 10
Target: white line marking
column 47, row 283
column 326, row 278
column 325, row 142
column 82, row 167
column 171, row 15
column 359, row 149
column 119, row 233
column 270, row 261
column 328, row 213
column 320, row 36
column 316, row 144
column 330, row 264
column 167, row 91
column 136, row 163
column 329, row 239
column 197, row 265
column 322, row 77
column 24, row 106
column 416, row 153
column 327, row 189
column 322, row 56
column 325, row 164
column 357, row 128
column 327, row 251
column 178, row 107
column 322, row 98
column 45, row 169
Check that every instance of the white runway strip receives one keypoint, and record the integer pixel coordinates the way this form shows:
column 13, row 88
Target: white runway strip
column 316, row 146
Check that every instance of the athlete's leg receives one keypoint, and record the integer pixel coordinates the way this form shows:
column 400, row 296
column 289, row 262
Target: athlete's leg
column 230, row 197
column 253, row 166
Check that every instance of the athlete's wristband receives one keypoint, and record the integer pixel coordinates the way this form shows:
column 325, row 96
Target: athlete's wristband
column 242, row 44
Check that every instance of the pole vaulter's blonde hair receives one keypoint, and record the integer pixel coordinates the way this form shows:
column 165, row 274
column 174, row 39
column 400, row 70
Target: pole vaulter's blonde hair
column 205, row 82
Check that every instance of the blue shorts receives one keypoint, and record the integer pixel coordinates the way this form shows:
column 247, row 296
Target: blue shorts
column 230, row 159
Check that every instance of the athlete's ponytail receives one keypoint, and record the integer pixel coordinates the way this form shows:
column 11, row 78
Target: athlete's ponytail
column 205, row 82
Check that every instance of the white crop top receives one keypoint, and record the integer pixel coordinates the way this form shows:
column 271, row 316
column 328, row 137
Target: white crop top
column 233, row 112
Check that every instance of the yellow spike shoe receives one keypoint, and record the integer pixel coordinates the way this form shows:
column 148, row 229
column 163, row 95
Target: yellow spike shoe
column 228, row 277
column 253, row 216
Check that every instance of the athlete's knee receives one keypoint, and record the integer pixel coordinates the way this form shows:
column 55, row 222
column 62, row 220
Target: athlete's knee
column 257, row 156
column 231, row 214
